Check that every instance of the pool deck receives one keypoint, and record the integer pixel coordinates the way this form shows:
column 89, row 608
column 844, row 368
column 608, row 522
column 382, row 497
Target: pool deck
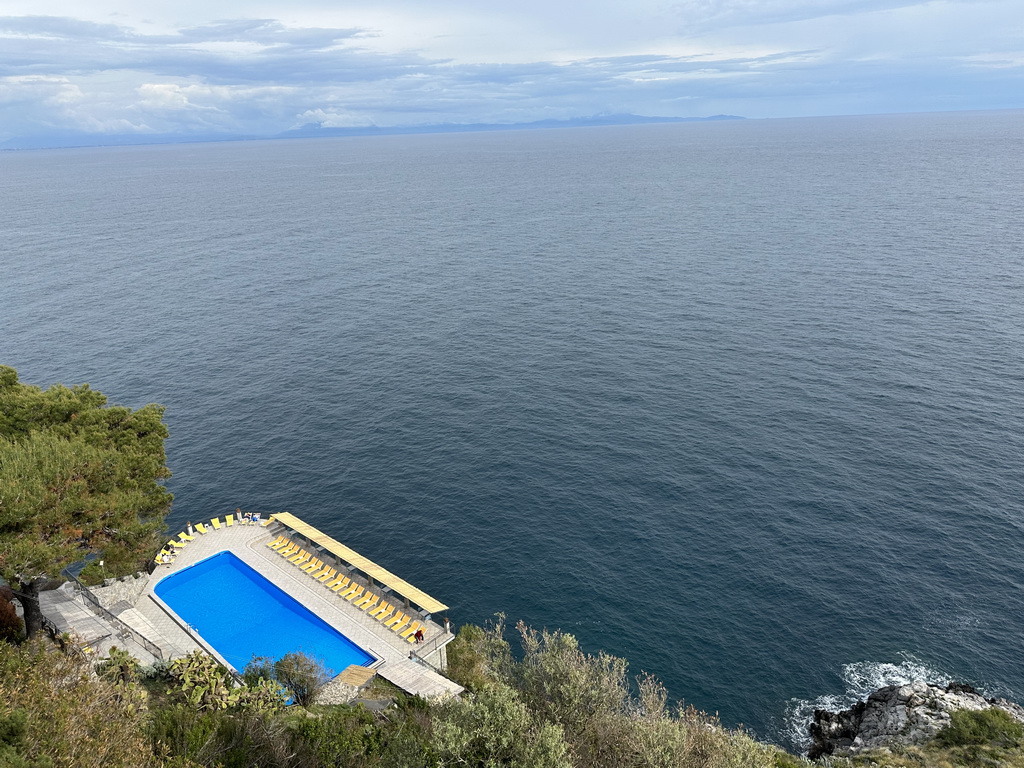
column 248, row 542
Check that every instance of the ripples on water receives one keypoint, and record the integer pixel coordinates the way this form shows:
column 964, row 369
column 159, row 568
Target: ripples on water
column 740, row 401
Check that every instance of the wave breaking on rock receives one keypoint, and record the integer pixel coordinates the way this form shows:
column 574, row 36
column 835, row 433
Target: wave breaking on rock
column 896, row 715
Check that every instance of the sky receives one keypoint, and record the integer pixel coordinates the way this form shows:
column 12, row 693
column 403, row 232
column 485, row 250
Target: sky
column 222, row 67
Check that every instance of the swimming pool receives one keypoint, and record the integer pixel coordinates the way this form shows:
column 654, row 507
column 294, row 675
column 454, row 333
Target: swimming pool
column 241, row 614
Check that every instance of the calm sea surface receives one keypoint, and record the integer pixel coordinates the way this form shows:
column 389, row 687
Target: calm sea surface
column 742, row 402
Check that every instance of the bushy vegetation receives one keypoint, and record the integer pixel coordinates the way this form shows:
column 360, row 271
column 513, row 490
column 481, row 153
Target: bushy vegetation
column 986, row 726
column 544, row 703
column 64, row 716
column 552, row 706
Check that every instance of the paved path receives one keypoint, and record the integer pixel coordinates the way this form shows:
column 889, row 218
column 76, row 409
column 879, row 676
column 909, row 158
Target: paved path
column 69, row 613
column 248, row 542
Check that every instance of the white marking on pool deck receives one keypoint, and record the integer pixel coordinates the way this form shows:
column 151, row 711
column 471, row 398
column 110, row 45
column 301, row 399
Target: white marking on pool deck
column 248, row 543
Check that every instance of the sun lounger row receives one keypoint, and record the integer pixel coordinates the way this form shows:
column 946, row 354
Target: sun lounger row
column 172, row 546
column 366, row 600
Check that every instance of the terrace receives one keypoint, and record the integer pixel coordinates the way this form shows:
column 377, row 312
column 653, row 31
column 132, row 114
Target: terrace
column 360, row 589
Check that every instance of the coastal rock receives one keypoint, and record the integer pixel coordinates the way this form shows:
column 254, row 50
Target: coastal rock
column 896, row 715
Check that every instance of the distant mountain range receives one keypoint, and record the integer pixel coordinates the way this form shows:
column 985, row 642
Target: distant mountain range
column 318, row 130
column 312, row 130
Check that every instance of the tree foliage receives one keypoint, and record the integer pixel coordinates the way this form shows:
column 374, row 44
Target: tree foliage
column 525, row 713
column 76, row 477
column 607, row 719
column 494, row 728
column 65, row 716
column 302, row 675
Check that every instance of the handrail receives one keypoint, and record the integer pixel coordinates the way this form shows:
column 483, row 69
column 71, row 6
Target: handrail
column 123, row 629
column 429, row 647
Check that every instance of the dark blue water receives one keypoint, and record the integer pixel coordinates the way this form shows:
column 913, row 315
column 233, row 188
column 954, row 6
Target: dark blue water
column 742, row 402
column 221, row 596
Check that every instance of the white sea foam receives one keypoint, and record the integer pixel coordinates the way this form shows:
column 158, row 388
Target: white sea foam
column 860, row 679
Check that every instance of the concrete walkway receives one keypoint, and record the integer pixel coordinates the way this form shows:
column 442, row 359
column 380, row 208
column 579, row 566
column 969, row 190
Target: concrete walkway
column 248, row 543
column 69, row 613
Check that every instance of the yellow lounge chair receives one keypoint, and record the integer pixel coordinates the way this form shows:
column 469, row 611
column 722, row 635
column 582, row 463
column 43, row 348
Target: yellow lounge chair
column 296, row 554
column 202, row 528
column 230, row 520
column 354, row 590
column 387, row 613
column 337, row 581
column 399, row 616
column 277, row 543
column 215, row 522
column 325, row 575
column 377, row 610
column 343, row 584
column 159, row 559
column 365, row 597
column 186, row 536
column 397, row 626
column 365, row 604
column 410, row 631
column 177, row 544
column 300, row 558
column 290, row 549
column 268, row 521
column 349, row 589
column 352, row 595
column 312, row 565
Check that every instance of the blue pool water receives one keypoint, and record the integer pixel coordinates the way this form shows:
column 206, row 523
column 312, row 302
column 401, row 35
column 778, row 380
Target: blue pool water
column 242, row 615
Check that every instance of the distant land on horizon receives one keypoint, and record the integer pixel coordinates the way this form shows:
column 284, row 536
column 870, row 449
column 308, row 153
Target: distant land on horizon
column 317, row 130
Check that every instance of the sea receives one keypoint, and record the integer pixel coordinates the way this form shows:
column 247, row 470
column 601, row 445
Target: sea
column 739, row 401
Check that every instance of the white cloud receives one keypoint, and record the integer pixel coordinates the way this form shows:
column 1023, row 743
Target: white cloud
column 197, row 67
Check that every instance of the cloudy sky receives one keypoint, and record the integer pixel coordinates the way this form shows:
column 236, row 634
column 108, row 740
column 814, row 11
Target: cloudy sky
column 265, row 66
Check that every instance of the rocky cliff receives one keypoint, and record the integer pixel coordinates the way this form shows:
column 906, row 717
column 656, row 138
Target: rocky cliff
column 896, row 714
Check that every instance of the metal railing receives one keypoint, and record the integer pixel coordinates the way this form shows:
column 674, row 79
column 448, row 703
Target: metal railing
column 421, row 651
column 123, row 630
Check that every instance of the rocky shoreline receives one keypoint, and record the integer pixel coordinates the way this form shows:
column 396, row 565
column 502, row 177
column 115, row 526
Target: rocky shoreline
column 896, row 715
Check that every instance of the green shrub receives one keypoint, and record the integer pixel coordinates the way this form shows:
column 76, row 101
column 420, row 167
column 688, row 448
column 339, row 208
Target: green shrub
column 495, row 728
column 302, row 675
column 786, row 760
column 258, row 668
column 206, row 685
column 336, row 736
column 984, row 726
column 182, row 730
column 119, row 667
column 478, row 657
column 68, row 718
column 218, row 738
column 12, row 737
